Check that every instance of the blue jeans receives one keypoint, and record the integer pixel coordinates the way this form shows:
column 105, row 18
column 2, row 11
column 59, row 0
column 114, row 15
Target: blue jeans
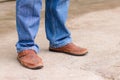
column 28, row 18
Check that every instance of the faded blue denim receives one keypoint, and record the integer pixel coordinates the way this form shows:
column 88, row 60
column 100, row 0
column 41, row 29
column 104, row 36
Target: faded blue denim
column 28, row 18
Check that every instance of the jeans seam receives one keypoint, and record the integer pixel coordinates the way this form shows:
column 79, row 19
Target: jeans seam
column 51, row 7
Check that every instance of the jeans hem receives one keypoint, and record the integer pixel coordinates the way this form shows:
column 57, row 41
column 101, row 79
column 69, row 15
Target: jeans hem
column 61, row 44
column 28, row 48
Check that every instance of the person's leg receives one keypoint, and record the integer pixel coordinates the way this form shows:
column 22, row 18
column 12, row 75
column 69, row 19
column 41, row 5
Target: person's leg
column 57, row 32
column 55, row 19
column 27, row 20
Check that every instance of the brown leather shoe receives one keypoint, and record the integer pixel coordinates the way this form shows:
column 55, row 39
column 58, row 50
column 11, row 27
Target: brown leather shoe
column 71, row 49
column 29, row 59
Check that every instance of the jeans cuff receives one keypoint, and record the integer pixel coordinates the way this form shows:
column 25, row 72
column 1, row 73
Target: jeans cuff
column 36, row 49
column 61, row 44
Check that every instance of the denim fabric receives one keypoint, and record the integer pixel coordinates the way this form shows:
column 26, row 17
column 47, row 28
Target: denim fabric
column 28, row 18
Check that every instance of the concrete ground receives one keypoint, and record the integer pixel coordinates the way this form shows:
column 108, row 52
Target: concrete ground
column 94, row 24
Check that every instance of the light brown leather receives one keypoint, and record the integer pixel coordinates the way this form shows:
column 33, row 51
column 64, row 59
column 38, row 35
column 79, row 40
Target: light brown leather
column 71, row 49
column 30, row 59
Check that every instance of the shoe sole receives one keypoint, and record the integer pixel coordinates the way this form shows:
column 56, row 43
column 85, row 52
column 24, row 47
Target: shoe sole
column 69, row 53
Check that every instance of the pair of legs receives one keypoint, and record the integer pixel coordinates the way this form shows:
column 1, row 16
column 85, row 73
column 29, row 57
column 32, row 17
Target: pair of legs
column 28, row 18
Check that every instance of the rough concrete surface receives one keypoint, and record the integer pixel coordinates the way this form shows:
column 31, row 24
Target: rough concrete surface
column 95, row 25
